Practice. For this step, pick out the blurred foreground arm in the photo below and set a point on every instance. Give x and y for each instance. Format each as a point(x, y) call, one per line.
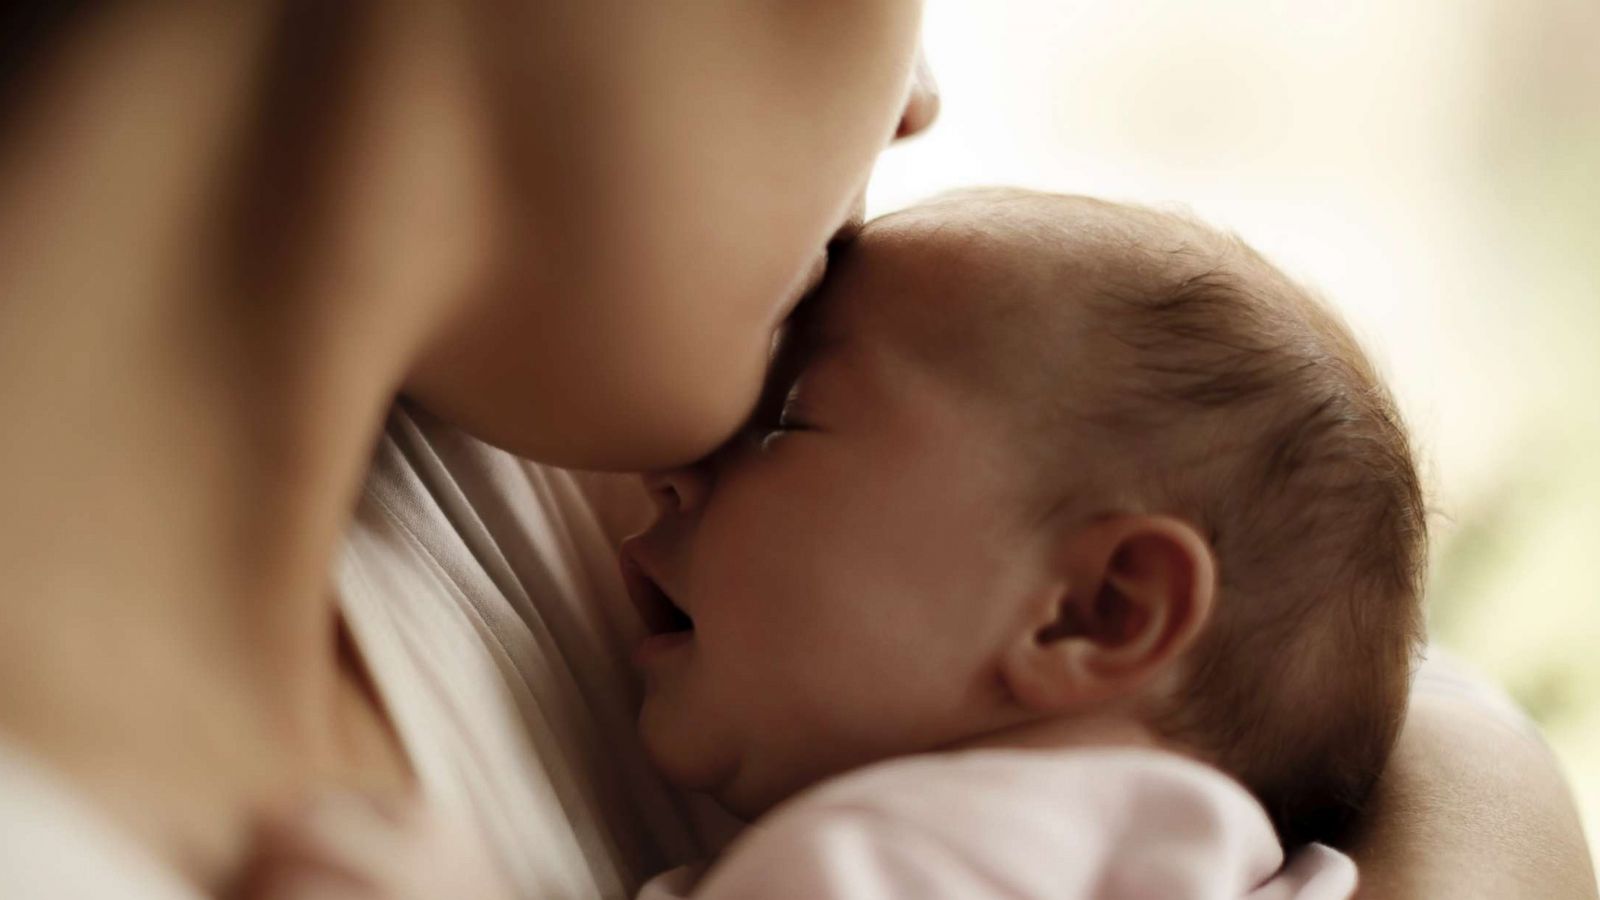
point(1472, 805)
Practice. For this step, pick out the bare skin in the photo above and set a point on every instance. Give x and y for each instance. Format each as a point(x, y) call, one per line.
point(188, 463)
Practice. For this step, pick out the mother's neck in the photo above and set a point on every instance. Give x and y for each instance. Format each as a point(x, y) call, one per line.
point(211, 291)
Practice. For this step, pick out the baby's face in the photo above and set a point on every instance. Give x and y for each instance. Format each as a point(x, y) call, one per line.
point(845, 565)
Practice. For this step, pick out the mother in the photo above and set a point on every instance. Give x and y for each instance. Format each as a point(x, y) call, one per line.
point(230, 233)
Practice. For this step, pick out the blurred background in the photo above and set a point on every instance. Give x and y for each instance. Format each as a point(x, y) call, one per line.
point(1433, 168)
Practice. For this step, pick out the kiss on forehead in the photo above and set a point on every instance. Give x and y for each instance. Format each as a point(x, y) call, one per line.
point(985, 500)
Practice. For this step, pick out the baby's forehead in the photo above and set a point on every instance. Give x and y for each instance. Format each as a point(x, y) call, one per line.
point(981, 279)
point(1049, 298)
point(1024, 226)
point(980, 252)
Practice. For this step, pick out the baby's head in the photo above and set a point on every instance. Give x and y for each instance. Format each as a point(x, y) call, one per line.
point(1032, 459)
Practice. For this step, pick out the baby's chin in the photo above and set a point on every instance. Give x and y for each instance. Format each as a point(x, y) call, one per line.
point(672, 746)
point(722, 775)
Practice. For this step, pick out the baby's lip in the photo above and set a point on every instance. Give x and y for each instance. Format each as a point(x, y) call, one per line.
point(660, 612)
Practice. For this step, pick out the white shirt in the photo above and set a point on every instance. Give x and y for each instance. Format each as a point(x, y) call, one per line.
point(487, 602)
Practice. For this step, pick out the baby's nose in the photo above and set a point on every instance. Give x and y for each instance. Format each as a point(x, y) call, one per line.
point(678, 491)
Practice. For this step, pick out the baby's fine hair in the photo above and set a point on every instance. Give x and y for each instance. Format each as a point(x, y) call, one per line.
point(1226, 395)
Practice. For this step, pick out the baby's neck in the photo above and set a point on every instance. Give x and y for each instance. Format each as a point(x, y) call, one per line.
point(1067, 732)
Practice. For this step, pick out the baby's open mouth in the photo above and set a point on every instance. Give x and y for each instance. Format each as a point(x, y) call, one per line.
point(660, 614)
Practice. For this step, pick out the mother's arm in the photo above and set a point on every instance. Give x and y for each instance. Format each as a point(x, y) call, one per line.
point(1472, 806)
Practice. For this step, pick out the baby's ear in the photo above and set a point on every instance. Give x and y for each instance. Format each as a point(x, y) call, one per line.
point(1128, 596)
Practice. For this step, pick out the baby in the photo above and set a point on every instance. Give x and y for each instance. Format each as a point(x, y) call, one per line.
point(1075, 548)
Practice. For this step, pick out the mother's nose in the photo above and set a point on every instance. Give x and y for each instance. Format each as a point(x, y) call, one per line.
point(680, 490)
point(922, 102)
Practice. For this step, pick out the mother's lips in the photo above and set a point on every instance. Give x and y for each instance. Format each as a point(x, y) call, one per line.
point(811, 279)
point(809, 282)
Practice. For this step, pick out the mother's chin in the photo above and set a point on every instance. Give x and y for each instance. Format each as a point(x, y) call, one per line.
point(649, 396)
